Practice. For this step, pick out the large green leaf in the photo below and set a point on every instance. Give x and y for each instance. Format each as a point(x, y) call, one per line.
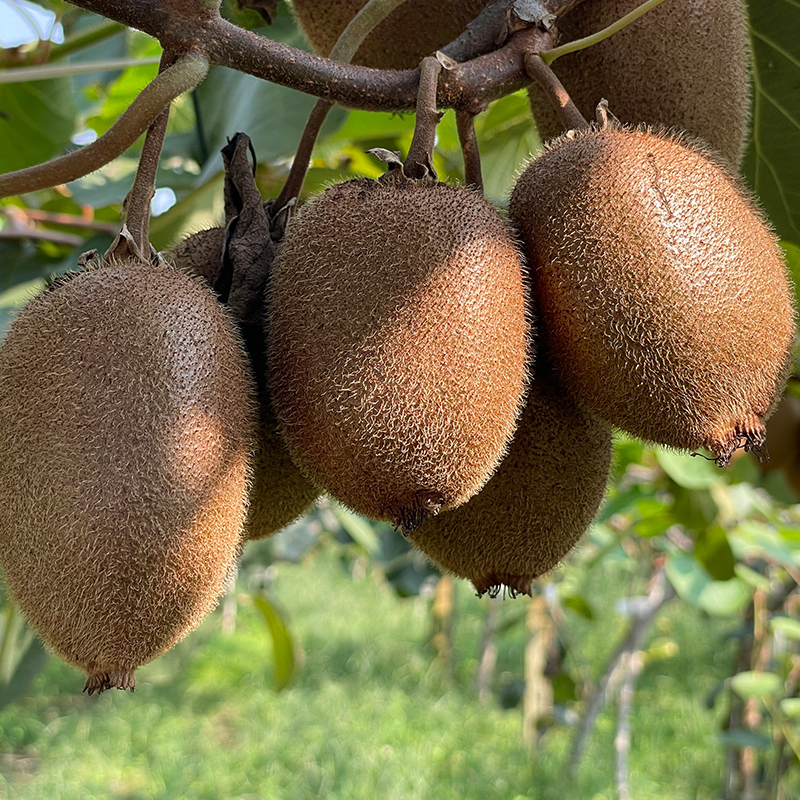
point(37, 120)
point(771, 164)
point(695, 585)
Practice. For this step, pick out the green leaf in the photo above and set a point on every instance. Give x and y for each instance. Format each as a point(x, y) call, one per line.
point(713, 551)
point(29, 666)
point(756, 684)
point(687, 471)
point(693, 584)
point(37, 120)
point(282, 645)
point(724, 598)
point(751, 577)
point(578, 605)
point(360, 531)
point(791, 707)
point(771, 165)
point(789, 627)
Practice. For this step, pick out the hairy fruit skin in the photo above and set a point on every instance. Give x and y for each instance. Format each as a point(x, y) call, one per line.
point(127, 416)
point(416, 29)
point(280, 493)
point(538, 504)
point(684, 64)
point(662, 290)
point(397, 344)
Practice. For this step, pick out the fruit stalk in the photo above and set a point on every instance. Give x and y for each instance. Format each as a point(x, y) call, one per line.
point(567, 111)
point(419, 162)
point(465, 122)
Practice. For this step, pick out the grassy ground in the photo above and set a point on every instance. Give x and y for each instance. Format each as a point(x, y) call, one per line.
point(369, 715)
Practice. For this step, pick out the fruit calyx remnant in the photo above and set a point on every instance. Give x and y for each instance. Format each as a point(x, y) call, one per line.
point(98, 682)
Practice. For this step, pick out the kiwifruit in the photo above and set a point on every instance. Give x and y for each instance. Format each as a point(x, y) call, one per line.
point(201, 253)
point(537, 505)
point(416, 29)
point(127, 415)
point(684, 64)
point(397, 344)
point(663, 291)
point(280, 492)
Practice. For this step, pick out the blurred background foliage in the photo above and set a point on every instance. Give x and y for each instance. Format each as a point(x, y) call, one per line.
point(340, 663)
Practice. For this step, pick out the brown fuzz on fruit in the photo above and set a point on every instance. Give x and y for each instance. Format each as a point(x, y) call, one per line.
point(280, 492)
point(684, 64)
point(127, 415)
point(416, 29)
point(201, 254)
point(663, 292)
point(538, 504)
point(397, 344)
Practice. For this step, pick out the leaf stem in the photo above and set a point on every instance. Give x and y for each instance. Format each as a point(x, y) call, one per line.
point(549, 56)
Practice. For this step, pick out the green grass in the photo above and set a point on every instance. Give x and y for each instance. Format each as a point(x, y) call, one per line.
point(370, 715)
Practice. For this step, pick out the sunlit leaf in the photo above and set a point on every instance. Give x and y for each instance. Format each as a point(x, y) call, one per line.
point(687, 471)
point(359, 530)
point(756, 684)
point(789, 627)
point(282, 645)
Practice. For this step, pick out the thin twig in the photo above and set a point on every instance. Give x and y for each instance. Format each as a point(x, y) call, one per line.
point(49, 71)
point(661, 592)
point(151, 101)
point(465, 122)
point(42, 235)
point(419, 162)
point(622, 741)
point(567, 111)
point(297, 174)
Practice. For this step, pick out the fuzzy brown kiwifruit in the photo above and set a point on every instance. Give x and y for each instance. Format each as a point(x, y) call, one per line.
point(201, 253)
point(397, 344)
point(538, 504)
point(416, 29)
point(280, 492)
point(663, 292)
point(683, 64)
point(127, 415)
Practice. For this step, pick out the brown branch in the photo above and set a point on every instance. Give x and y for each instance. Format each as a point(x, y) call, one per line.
point(38, 234)
point(186, 26)
point(151, 101)
point(465, 122)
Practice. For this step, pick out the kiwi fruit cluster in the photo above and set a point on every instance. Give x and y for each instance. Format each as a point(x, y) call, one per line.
point(403, 346)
